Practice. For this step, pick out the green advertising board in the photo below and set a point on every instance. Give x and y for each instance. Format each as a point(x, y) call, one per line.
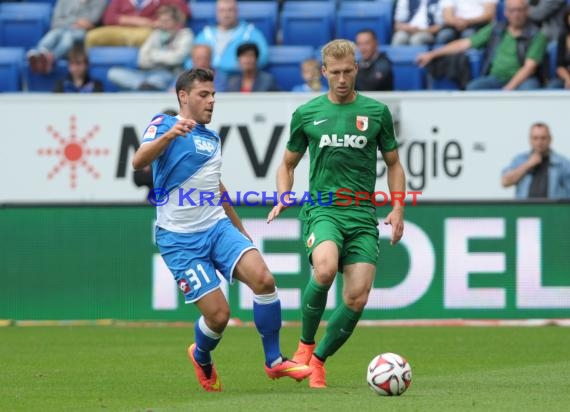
point(468, 261)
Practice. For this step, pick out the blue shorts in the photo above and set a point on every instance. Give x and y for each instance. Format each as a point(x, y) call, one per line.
point(194, 257)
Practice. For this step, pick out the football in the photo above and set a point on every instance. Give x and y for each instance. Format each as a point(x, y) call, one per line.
point(389, 374)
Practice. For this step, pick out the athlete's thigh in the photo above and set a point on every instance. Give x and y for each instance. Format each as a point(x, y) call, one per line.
point(212, 303)
point(252, 270)
point(321, 233)
point(187, 257)
point(361, 242)
point(358, 278)
point(229, 247)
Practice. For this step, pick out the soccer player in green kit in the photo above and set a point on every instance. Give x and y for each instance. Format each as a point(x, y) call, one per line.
point(343, 131)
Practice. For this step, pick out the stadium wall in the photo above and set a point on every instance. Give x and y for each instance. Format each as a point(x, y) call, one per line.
point(501, 260)
point(75, 148)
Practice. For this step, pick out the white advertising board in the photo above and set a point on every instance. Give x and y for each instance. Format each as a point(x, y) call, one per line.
point(68, 148)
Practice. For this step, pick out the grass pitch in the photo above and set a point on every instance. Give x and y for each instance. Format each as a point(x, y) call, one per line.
point(146, 369)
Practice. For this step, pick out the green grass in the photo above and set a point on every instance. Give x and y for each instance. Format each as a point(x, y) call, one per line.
point(145, 369)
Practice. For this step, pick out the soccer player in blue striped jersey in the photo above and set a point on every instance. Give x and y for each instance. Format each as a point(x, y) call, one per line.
point(196, 239)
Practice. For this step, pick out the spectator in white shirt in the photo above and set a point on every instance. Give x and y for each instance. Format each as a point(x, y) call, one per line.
point(462, 18)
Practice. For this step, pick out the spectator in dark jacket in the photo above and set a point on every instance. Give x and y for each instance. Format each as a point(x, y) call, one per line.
point(548, 15)
point(250, 78)
point(78, 80)
point(374, 67)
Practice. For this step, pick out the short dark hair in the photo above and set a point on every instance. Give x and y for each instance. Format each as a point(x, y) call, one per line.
point(369, 31)
point(247, 47)
point(77, 52)
point(173, 12)
point(187, 78)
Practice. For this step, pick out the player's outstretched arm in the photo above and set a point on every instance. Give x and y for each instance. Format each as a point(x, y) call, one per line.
point(152, 149)
point(232, 214)
point(396, 184)
point(285, 179)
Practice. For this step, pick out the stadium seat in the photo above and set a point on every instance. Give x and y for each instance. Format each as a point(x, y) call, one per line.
point(52, 2)
point(203, 13)
point(35, 8)
point(45, 82)
point(285, 64)
point(11, 62)
point(308, 23)
point(355, 16)
point(262, 14)
point(407, 74)
point(101, 59)
point(23, 24)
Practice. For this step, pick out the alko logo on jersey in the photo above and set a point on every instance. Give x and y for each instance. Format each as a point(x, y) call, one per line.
point(348, 140)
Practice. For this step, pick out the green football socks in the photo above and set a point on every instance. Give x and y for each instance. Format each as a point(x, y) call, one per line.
point(339, 328)
point(312, 308)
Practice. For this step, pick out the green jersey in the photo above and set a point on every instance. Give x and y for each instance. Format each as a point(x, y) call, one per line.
point(343, 140)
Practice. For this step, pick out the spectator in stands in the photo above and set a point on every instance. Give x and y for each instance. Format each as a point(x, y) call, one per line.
point(374, 68)
point(562, 81)
point(416, 22)
point(129, 22)
point(70, 21)
point(251, 78)
point(225, 38)
point(540, 173)
point(462, 18)
point(201, 57)
point(548, 14)
point(78, 80)
point(161, 56)
point(311, 74)
point(513, 56)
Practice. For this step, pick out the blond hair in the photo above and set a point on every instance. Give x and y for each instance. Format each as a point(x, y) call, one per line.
point(338, 49)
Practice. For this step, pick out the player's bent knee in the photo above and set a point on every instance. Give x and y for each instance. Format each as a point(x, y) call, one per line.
point(264, 282)
point(356, 302)
point(218, 320)
point(325, 273)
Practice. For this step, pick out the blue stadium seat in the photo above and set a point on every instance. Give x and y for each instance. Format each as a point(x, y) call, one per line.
point(355, 16)
point(308, 23)
point(101, 59)
point(52, 2)
point(45, 82)
point(11, 62)
point(285, 64)
point(203, 13)
point(407, 74)
point(262, 14)
point(23, 24)
point(43, 9)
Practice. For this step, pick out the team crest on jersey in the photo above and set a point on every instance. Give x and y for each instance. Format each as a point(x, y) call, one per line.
point(362, 123)
point(150, 132)
point(311, 240)
point(183, 285)
point(204, 145)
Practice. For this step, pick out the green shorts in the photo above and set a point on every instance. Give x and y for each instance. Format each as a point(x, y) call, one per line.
point(354, 231)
